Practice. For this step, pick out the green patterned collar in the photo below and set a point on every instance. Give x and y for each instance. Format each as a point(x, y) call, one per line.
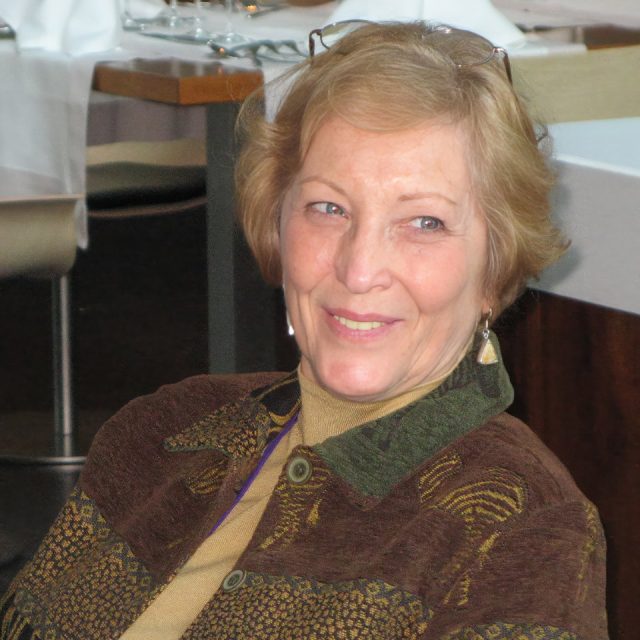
point(372, 457)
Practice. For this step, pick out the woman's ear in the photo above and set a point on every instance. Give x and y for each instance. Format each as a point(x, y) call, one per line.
point(487, 305)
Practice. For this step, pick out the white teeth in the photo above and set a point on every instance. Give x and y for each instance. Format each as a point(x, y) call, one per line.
point(358, 326)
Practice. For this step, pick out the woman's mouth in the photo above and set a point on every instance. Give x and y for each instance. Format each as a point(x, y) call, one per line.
point(357, 325)
point(349, 324)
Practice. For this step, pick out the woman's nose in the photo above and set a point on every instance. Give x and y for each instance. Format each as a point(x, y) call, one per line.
point(363, 260)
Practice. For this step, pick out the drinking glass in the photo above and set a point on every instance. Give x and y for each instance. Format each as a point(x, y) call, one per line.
point(130, 22)
point(198, 31)
point(171, 17)
point(228, 37)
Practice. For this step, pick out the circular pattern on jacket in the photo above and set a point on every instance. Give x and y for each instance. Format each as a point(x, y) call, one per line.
point(234, 580)
point(299, 470)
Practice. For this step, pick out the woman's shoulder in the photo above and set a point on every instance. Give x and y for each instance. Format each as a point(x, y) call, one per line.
point(174, 407)
point(133, 437)
point(507, 445)
point(501, 478)
point(532, 543)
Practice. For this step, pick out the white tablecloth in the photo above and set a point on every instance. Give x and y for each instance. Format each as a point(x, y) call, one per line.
point(45, 95)
point(42, 117)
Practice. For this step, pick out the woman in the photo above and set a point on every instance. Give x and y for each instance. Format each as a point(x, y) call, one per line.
point(379, 491)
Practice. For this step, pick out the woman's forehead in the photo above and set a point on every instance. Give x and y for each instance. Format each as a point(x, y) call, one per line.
point(432, 141)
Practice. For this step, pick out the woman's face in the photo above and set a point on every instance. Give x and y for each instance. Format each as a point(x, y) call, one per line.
point(383, 252)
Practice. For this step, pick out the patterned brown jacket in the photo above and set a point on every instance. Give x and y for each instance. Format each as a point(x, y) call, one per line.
point(446, 520)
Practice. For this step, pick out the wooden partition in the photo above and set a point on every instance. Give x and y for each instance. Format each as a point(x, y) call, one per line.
point(576, 371)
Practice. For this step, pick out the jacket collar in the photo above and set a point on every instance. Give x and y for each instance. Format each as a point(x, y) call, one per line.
point(375, 456)
point(372, 457)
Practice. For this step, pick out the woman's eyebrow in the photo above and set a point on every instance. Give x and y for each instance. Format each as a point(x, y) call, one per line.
point(325, 181)
point(418, 195)
point(427, 195)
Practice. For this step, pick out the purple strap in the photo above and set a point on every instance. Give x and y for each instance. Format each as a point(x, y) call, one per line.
point(254, 474)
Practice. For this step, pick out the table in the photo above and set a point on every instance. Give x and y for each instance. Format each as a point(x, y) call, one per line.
point(239, 303)
point(222, 89)
point(571, 345)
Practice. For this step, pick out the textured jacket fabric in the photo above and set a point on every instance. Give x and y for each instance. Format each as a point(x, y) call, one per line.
point(447, 519)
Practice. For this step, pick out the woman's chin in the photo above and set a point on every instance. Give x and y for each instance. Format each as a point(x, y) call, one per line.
point(358, 385)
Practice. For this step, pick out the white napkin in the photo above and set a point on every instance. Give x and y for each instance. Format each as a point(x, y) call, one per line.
point(70, 26)
point(479, 16)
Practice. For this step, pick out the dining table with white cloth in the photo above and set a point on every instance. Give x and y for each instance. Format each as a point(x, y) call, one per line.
point(48, 104)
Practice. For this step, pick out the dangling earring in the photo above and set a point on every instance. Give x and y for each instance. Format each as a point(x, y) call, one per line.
point(290, 329)
point(487, 353)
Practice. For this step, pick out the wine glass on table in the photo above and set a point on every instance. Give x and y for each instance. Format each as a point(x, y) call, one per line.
point(228, 37)
point(131, 22)
point(171, 17)
point(198, 30)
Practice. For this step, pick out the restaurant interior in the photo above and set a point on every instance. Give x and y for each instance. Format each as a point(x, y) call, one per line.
point(121, 268)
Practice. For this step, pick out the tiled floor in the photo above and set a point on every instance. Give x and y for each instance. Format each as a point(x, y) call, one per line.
point(139, 322)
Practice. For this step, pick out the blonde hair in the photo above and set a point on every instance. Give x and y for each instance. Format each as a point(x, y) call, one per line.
point(395, 76)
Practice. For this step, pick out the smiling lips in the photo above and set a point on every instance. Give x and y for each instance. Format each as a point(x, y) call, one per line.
point(362, 324)
point(358, 326)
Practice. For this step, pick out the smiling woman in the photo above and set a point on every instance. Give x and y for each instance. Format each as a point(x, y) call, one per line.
point(379, 491)
point(383, 254)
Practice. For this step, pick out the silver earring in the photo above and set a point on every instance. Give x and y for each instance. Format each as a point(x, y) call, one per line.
point(290, 329)
point(487, 353)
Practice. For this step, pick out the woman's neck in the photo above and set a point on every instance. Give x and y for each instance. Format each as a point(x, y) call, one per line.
point(324, 415)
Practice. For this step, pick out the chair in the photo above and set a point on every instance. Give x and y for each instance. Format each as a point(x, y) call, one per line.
point(38, 239)
point(138, 179)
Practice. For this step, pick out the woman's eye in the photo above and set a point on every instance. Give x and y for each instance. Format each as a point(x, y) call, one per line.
point(428, 223)
point(328, 208)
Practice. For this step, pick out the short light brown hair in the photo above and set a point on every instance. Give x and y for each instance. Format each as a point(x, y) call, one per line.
point(395, 76)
